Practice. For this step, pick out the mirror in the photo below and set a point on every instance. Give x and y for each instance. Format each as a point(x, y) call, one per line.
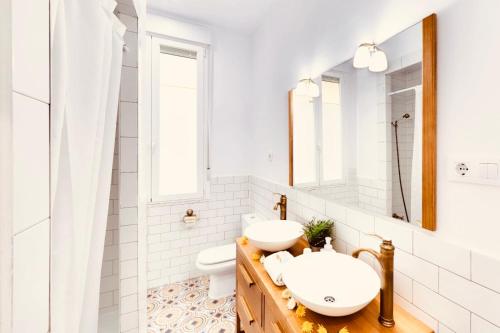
point(369, 139)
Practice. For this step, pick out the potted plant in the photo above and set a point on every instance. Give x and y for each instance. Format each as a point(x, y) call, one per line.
point(316, 231)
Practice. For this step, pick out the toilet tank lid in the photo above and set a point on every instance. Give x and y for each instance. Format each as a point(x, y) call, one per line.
point(218, 254)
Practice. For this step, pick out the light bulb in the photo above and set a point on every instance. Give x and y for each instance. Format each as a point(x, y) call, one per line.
point(378, 61)
point(307, 87)
point(362, 56)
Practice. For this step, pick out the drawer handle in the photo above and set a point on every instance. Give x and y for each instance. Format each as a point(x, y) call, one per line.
point(248, 280)
point(246, 311)
point(276, 328)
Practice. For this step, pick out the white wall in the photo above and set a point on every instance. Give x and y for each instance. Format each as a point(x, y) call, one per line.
point(232, 103)
point(467, 212)
point(305, 38)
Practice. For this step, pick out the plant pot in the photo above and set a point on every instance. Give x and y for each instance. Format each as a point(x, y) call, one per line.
point(316, 248)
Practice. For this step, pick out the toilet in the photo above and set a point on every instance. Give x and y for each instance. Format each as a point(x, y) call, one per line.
point(219, 263)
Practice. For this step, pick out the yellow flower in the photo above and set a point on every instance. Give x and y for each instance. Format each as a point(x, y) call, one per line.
point(301, 311)
point(256, 256)
point(321, 329)
point(344, 330)
point(244, 240)
point(307, 327)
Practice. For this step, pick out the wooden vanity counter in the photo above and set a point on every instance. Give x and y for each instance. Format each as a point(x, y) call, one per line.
point(260, 307)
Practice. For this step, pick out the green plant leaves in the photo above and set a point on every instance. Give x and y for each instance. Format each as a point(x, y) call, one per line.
point(317, 230)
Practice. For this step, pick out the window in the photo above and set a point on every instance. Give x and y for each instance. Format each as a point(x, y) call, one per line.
point(317, 137)
point(304, 139)
point(331, 131)
point(178, 120)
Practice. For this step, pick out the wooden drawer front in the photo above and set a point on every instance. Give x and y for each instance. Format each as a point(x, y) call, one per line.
point(251, 291)
point(248, 324)
point(272, 321)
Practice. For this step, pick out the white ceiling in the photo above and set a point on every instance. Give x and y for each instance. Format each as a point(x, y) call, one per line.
point(242, 15)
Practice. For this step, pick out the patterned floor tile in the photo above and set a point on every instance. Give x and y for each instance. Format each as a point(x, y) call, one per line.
point(185, 307)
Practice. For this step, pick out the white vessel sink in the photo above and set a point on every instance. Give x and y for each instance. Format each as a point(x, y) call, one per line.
point(274, 235)
point(331, 284)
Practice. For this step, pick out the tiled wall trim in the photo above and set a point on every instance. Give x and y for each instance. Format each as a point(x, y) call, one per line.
point(173, 245)
point(449, 287)
point(128, 179)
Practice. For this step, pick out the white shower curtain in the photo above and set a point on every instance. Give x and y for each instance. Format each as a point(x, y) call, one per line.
point(87, 41)
point(416, 167)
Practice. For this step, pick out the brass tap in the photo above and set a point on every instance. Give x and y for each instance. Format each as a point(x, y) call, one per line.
point(386, 259)
point(282, 205)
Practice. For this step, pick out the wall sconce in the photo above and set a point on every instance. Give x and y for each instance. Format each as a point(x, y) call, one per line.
point(369, 55)
point(307, 87)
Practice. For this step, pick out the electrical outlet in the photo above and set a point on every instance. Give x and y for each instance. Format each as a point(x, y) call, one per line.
point(475, 170)
point(462, 169)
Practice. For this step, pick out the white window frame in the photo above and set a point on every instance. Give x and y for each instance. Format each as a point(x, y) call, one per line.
point(202, 120)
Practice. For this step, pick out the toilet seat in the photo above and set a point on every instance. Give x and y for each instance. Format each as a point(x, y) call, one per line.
point(216, 268)
point(217, 255)
point(217, 259)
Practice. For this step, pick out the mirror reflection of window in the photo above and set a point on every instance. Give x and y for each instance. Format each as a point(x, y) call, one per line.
point(331, 140)
point(317, 136)
point(304, 138)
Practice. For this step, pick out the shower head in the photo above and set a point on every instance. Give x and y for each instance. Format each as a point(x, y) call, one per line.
point(404, 116)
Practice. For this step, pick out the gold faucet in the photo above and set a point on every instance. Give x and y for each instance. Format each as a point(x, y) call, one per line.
point(386, 259)
point(282, 205)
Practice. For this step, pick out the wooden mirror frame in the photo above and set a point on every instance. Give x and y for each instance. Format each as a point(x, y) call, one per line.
point(429, 123)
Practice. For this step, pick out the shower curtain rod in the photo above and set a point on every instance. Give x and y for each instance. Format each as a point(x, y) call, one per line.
point(403, 90)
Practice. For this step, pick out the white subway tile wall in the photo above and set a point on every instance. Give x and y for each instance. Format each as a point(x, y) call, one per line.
point(26, 86)
point(173, 245)
point(449, 287)
point(485, 270)
point(449, 256)
point(443, 329)
point(482, 301)
point(30, 140)
point(128, 177)
point(479, 325)
point(357, 191)
point(109, 292)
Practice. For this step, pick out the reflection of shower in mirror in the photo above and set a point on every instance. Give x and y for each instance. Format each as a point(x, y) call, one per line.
point(404, 116)
point(360, 142)
point(395, 125)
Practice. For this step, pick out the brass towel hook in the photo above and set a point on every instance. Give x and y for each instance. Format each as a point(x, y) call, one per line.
point(190, 217)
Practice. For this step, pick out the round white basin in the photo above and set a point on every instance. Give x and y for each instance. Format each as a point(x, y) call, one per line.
point(274, 235)
point(331, 284)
